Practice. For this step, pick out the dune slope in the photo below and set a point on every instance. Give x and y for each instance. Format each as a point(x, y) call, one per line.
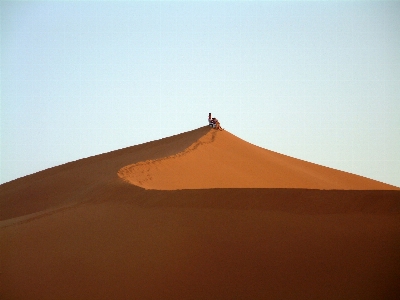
point(76, 181)
point(221, 160)
point(79, 231)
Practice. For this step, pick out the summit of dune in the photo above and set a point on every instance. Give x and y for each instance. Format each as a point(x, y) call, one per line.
point(219, 159)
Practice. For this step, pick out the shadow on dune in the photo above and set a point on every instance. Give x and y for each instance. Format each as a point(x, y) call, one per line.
point(299, 201)
point(74, 182)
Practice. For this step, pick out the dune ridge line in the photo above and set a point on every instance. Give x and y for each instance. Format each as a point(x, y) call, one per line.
point(125, 172)
point(219, 159)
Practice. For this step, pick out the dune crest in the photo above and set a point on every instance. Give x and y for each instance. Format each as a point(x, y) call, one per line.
point(221, 160)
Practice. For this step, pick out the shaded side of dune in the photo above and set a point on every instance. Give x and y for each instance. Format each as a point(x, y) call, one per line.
point(75, 181)
point(299, 201)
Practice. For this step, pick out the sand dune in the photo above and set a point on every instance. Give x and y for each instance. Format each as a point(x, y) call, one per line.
point(221, 160)
point(148, 222)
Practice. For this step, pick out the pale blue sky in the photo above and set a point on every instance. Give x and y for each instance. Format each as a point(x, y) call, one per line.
point(316, 80)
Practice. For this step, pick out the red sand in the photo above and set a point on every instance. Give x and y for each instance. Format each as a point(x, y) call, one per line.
point(78, 231)
point(221, 160)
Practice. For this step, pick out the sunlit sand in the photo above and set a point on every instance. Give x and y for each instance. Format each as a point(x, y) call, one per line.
point(222, 160)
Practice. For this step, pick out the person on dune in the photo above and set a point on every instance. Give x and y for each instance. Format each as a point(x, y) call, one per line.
point(214, 123)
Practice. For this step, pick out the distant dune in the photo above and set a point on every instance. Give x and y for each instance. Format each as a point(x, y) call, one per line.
point(198, 215)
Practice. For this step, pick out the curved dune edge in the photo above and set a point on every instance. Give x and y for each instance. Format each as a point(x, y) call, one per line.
point(84, 179)
point(140, 173)
point(221, 160)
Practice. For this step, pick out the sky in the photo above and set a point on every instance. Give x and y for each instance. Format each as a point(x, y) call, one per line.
point(315, 80)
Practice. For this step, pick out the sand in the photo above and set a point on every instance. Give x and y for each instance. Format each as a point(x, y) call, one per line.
point(146, 222)
point(222, 160)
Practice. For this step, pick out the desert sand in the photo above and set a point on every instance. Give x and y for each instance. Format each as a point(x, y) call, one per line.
point(221, 160)
point(199, 215)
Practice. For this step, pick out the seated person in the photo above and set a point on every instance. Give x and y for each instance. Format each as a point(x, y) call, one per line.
point(213, 122)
